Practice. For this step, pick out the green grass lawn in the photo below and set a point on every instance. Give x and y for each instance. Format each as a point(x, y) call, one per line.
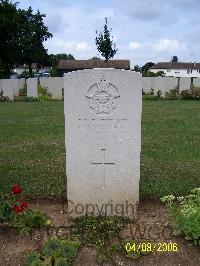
point(32, 150)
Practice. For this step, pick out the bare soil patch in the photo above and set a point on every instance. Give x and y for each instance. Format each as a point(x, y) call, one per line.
point(154, 226)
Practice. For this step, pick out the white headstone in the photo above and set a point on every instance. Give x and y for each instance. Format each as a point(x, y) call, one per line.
point(172, 83)
point(16, 86)
point(148, 83)
point(184, 84)
point(7, 86)
point(196, 82)
point(58, 86)
point(165, 84)
point(55, 86)
point(21, 83)
point(103, 141)
point(32, 90)
point(160, 85)
point(44, 82)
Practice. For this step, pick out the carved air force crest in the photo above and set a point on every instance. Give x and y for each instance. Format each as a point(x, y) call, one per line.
point(103, 97)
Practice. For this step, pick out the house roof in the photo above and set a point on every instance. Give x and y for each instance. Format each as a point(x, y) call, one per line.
point(89, 64)
point(176, 65)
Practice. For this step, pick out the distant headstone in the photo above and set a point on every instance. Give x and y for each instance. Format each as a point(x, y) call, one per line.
point(172, 83)
point(196, 82)
point(17, 85)
point(103, 141)
point(7, 86)
point(21, 83)
point(148, 83)
point(44, 82)
point(55, 86)
point(184, 84)
point(165, 84)
point(32, 90)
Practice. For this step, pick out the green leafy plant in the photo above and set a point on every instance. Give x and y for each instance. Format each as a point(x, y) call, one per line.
point(55, 252)
point(23, 91)
point(31, 99)
point(15, 212)
point(25, 99)
point(33, 258)
point(6, 212)
point(41, 90)
point(102, 232)
point(43, 95)
point(27, 222)
point(44, 98)
point(185, 212)
point(173, 94)
point(159, 93)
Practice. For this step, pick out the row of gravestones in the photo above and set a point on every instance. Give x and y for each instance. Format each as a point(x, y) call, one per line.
point(54, 85)
point(11, 87)
point(166, 84)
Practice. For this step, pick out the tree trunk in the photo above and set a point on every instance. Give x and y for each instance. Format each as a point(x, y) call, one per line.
point(30, 70)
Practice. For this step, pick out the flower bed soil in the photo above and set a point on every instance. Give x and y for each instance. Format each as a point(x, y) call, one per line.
point(153, 226)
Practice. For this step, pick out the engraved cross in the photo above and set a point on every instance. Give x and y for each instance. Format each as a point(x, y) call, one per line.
point(104, 163)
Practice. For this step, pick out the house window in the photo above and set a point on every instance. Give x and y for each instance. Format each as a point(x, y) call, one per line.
point(177, 72)
point(188, 71)
point(191, 71)
point(168, 70)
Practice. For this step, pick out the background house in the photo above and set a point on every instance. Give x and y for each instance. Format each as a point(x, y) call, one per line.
point(177, 69)
point(66, 66)
point(19, 69)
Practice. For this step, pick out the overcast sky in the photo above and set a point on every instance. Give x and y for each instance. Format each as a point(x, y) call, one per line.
point(143, 30)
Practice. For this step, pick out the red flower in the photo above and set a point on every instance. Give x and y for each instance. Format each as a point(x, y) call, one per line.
point(17, 209)
point(24, 205)
point(16, 189)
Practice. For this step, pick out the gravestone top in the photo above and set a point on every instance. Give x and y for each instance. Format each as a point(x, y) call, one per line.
point(103, 141)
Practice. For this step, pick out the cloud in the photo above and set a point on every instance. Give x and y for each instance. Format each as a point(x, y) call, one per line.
point(135, 45)
point(148, 30)
point(61, 46)
point(167, 45)
point(83, 47)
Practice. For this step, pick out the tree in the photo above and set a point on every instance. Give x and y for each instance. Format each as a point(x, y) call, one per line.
point(95, 58)
point(153, 74)
point(22, 34)
point(174, 59)
point(136, 68)
point(34, 33)
point(147, 66)
point(10, 31)
point(53, 61)
point(105, 44)
point(160, 74)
